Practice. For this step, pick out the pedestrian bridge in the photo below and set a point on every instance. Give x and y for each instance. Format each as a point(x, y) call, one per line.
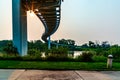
point(49, 13)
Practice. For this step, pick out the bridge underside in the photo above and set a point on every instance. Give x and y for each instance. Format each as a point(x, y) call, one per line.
point(48, 11)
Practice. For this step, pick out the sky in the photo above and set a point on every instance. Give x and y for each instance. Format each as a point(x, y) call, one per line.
point(81, 20)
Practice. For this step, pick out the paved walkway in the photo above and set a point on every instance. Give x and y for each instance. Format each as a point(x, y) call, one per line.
point(58, 75)
point(114, 75)
point(64, 75)
point(45, 75)
point(5, 74)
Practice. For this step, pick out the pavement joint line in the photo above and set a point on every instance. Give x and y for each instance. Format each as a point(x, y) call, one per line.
point(20, 75)
point(79, 75)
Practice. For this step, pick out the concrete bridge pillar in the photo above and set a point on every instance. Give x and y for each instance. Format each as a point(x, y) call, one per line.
point(19, 21)
point(49, 43)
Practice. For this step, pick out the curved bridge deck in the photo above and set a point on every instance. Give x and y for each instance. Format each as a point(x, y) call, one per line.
point(48, 11)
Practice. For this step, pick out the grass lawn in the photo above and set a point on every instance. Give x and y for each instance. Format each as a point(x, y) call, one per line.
point(56, 65)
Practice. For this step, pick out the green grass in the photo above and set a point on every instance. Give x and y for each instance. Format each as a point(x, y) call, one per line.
point(56, 65)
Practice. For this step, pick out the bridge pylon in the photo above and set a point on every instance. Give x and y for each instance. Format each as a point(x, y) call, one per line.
point(19, 21)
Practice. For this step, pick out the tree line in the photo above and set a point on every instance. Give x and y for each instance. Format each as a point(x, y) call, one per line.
point(92, 50)
point(67, 43)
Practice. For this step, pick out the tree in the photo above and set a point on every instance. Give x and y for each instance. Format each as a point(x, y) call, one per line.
point(85, 45)
point(38, 45)
point(105, 44)
point(71, 42)
point(91, 44)
point(10, 49)
point(34, 52)
point(67, 42)
point(63, 41)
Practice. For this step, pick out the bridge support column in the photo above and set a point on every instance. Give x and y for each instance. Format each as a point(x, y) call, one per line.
point(19, 21)
point(49, 43)
point(57, 44)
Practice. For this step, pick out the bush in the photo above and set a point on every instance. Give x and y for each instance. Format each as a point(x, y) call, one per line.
point(31, 58)
point(34, 52)
point(86, 56)
point(60, 54)
point(116, 60)
point(78, 58)
point(115, 51)
point(10, 57)
point(10, 49)
point(99, 58)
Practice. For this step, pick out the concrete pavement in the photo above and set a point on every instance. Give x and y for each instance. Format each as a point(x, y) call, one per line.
point(58, 75)
point(45, 75)
point(114, 75)
point(64, 75)
point(5, 74)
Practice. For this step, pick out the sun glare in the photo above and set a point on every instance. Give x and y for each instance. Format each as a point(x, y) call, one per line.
point(31, 13)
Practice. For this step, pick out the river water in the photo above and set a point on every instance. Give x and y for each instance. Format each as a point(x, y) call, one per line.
point(73, 54)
